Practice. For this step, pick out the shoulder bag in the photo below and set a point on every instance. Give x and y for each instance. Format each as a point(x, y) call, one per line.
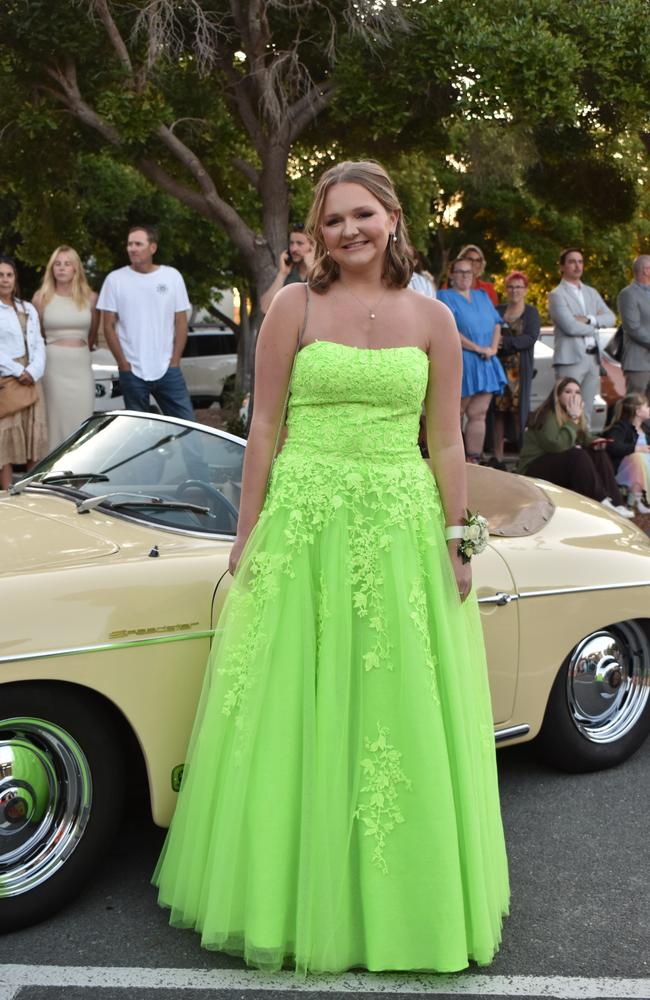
point(14, 396)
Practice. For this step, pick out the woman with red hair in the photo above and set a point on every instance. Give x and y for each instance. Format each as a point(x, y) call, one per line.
point(519, 332)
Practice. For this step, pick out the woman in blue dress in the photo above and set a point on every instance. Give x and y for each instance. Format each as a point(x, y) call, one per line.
point(480, 332)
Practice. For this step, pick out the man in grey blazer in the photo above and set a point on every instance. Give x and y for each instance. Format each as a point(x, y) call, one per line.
point(634, 307)
point(577, 312)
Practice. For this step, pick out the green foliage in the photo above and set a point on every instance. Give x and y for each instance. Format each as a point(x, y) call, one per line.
point(506, 123)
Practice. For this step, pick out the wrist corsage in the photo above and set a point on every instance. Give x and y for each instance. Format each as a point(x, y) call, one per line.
point(473, 535)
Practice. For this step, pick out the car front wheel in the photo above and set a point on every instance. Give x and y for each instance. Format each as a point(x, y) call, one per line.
point(598, 712)
point(61, 797)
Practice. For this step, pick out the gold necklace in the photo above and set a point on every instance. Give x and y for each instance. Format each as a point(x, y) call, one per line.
point(371, 309)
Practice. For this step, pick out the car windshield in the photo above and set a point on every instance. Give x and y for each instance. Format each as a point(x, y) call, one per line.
point(133, 460)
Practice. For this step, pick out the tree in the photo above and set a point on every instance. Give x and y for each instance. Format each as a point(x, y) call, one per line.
point(205, 99)
point(490, 112)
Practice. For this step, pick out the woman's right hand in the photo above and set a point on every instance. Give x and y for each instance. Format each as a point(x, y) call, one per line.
point(575, 407)
point(235, 553)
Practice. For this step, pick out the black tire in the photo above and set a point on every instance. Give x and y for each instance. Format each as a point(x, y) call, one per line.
point(598, 713)
point(62, 739)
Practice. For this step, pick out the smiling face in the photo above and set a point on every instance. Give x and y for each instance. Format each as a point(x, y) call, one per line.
point(462, 275)
point(7, 282)
point(476, 261)
point(63, 268)
point(356, 227)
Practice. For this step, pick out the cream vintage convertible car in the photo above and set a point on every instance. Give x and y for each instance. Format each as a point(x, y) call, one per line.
point(113, 572)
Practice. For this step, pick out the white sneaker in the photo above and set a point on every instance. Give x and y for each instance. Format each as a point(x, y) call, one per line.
point(636, 503)
point(609, 504)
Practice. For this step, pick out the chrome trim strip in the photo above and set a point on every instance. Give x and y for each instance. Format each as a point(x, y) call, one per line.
point(155, 640)
point(507, 734)
point(584, 590)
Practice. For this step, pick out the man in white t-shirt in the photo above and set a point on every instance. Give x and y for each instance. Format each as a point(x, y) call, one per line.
point(145, 323)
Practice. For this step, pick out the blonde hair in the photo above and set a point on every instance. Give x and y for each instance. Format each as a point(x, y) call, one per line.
point(81, 291)
point(398, 257)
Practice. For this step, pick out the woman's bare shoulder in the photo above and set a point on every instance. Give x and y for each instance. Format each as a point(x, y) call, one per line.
point(286, 314)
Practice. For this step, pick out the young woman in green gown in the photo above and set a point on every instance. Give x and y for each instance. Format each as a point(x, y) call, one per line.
point(339, 806)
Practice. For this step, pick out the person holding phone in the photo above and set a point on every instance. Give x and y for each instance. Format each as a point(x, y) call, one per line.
point(295, 264)
point(559, 447)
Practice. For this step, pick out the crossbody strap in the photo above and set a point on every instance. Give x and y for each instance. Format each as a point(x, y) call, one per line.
point(22, 319)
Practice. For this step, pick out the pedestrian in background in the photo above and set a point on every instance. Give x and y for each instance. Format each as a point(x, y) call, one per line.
point(421, 279)
point(23, 431)
point(629, 449)
point(69, 320)
point(295, 264)
point(578, 312)
point(634, 307)
point(145, 308)
point(559, 447)
point(476, 257)
point(479, 325)
point(519, 332)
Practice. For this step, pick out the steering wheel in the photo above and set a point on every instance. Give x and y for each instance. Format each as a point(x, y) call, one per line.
point(215, 495)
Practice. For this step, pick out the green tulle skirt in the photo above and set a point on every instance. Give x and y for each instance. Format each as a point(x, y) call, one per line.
point(339, 806)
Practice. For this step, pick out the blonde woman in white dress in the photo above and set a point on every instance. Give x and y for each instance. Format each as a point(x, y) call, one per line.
point(70, 321)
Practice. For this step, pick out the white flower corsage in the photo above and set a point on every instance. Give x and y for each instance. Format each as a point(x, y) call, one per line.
point(473, 534)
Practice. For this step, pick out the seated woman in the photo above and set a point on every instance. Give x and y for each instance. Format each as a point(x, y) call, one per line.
point(629, 450)
point(558, 447)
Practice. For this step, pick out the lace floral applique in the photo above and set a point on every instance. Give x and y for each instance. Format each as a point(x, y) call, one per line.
point(346, 459)
point(323, 610)
point(246, 605)
point(420, 619)
point(382, 774)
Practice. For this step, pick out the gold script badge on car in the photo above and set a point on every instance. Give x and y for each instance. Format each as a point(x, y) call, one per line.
point(125, 633)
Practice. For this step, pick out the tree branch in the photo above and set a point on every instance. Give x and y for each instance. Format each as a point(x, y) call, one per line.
point(226, 320)
point(303, 111)
point(113, 32)
point(248, 170)
point(70, 96)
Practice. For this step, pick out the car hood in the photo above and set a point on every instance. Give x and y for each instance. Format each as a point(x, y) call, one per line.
point(36, 536)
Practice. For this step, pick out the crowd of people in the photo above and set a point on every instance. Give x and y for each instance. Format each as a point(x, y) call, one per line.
point(47, 388)
point(46, 371)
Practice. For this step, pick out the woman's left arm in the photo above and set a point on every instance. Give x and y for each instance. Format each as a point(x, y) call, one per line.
point(447, 454)
point(94, 323)
point(35, 344)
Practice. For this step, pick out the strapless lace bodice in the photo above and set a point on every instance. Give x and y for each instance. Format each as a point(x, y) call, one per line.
point(356, 401)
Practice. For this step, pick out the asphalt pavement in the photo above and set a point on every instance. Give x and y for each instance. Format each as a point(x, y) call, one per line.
point(579, 850)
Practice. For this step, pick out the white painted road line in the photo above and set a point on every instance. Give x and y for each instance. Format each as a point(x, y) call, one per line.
point(13, 978)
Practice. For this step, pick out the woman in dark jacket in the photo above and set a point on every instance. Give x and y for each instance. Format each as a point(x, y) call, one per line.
point(516, 353)
point(628, 448)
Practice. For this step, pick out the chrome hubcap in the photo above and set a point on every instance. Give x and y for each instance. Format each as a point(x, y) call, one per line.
point(608, 682)
point(45, 800)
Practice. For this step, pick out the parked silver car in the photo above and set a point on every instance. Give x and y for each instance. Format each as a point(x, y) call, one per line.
point(209, 360)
